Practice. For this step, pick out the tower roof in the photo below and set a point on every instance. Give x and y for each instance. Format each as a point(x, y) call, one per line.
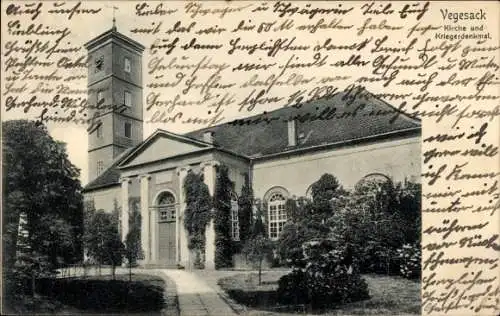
point(113, 35)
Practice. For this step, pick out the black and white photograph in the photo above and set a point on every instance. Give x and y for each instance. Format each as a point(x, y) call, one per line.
point(250, 158)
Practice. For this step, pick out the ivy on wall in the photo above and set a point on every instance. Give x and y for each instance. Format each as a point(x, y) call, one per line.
point(245, 210)
point(197, 214)
point(222, 219)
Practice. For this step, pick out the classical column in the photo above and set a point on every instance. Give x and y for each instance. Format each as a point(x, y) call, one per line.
point(209, 177)
point(145, 220)
point(153, 227)
point(181, 236)
point(125, 207)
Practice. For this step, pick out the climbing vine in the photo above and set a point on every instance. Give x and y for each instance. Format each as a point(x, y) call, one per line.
point(222, 219)
point(245, 209)
point(197, 214)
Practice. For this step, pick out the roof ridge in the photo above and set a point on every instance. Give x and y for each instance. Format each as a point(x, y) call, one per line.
point(282, 108)
point(387, 104)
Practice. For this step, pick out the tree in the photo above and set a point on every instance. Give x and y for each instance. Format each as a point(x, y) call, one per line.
point(307, 220)
point(103, 240)
point(114, 250)
point(257, 249)
point(258, 226)
point(41, 183)
point(323, 191)
point(245, 210)
point(133, 250)
point(222, 219)
point(133, 247)
point(371, 225)
point(197, 214)
point(409, 207)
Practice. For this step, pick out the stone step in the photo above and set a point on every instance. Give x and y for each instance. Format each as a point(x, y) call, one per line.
point(160, 266)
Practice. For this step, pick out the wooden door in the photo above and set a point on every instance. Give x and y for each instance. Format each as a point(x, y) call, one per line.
point(166, 235)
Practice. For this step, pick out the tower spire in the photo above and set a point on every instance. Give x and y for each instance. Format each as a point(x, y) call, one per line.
point(114, 18)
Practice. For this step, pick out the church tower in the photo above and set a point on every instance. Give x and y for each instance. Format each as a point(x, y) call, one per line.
point(115, 98)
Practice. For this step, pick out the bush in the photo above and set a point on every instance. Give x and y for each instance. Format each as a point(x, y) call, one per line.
point(103, 295)
point(330, 277)
point(292, 288)
point(409, 257)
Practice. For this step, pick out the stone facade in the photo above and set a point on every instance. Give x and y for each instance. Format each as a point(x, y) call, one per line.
point(115, 90)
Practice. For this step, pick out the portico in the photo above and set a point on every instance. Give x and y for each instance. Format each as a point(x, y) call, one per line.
point(157, 182)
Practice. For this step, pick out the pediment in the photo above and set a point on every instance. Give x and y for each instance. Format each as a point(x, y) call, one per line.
point(162, 145)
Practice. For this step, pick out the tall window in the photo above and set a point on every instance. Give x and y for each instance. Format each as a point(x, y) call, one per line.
point(100, 167)
point(235, 224)
point(128, 130)
point(277, 214)
point(126, 65)
point(127, 98)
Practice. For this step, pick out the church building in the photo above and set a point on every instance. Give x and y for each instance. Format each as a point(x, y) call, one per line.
point(281, 152)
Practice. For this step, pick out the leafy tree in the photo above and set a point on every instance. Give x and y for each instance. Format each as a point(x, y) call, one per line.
point(308, 219)
point(258, 227)
point(376, 194)
point(294, 235)
point(133, 247)
point(245, 210)
point(409, 199)
point(372, 225)
point(222, 219)
point(133, 250)
point(30, 264)
point(114, 250)
point(257, 249)
point(40, 182)
point(103, 240)
point(197, 214)
point(323, 191)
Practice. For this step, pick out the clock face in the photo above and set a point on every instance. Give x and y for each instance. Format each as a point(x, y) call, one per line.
point(99, 63)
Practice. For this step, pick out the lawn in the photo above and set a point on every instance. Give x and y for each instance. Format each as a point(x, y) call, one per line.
point(96, 294)
point(389, 295)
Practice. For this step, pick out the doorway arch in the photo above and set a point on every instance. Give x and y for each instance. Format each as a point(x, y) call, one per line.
point(166, 208)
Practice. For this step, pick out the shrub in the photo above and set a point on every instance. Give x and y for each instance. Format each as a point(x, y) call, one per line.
point(292, 288)
point(104, 295)
point(409, 257)
point(329, 278)
point(332, 276)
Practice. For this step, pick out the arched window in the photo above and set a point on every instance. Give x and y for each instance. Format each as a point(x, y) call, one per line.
point(166, 207)
point(276, 207)
point(235, 225)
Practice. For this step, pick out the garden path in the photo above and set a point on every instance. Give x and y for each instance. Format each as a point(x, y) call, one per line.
point(196, 297)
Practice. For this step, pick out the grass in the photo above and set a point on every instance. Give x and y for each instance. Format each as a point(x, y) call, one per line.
point(96, 294)
point(389, 295)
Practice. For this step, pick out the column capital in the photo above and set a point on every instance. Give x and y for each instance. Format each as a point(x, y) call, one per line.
point(178, 170)
point(126, 179)
point(147, 176)
point(210, 163)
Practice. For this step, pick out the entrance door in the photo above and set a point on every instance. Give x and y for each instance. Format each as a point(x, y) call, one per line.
point(166, 228)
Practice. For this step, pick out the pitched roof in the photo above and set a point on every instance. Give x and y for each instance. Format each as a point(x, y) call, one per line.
point(256, 138)
point(325, 121)
point(110, 176)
